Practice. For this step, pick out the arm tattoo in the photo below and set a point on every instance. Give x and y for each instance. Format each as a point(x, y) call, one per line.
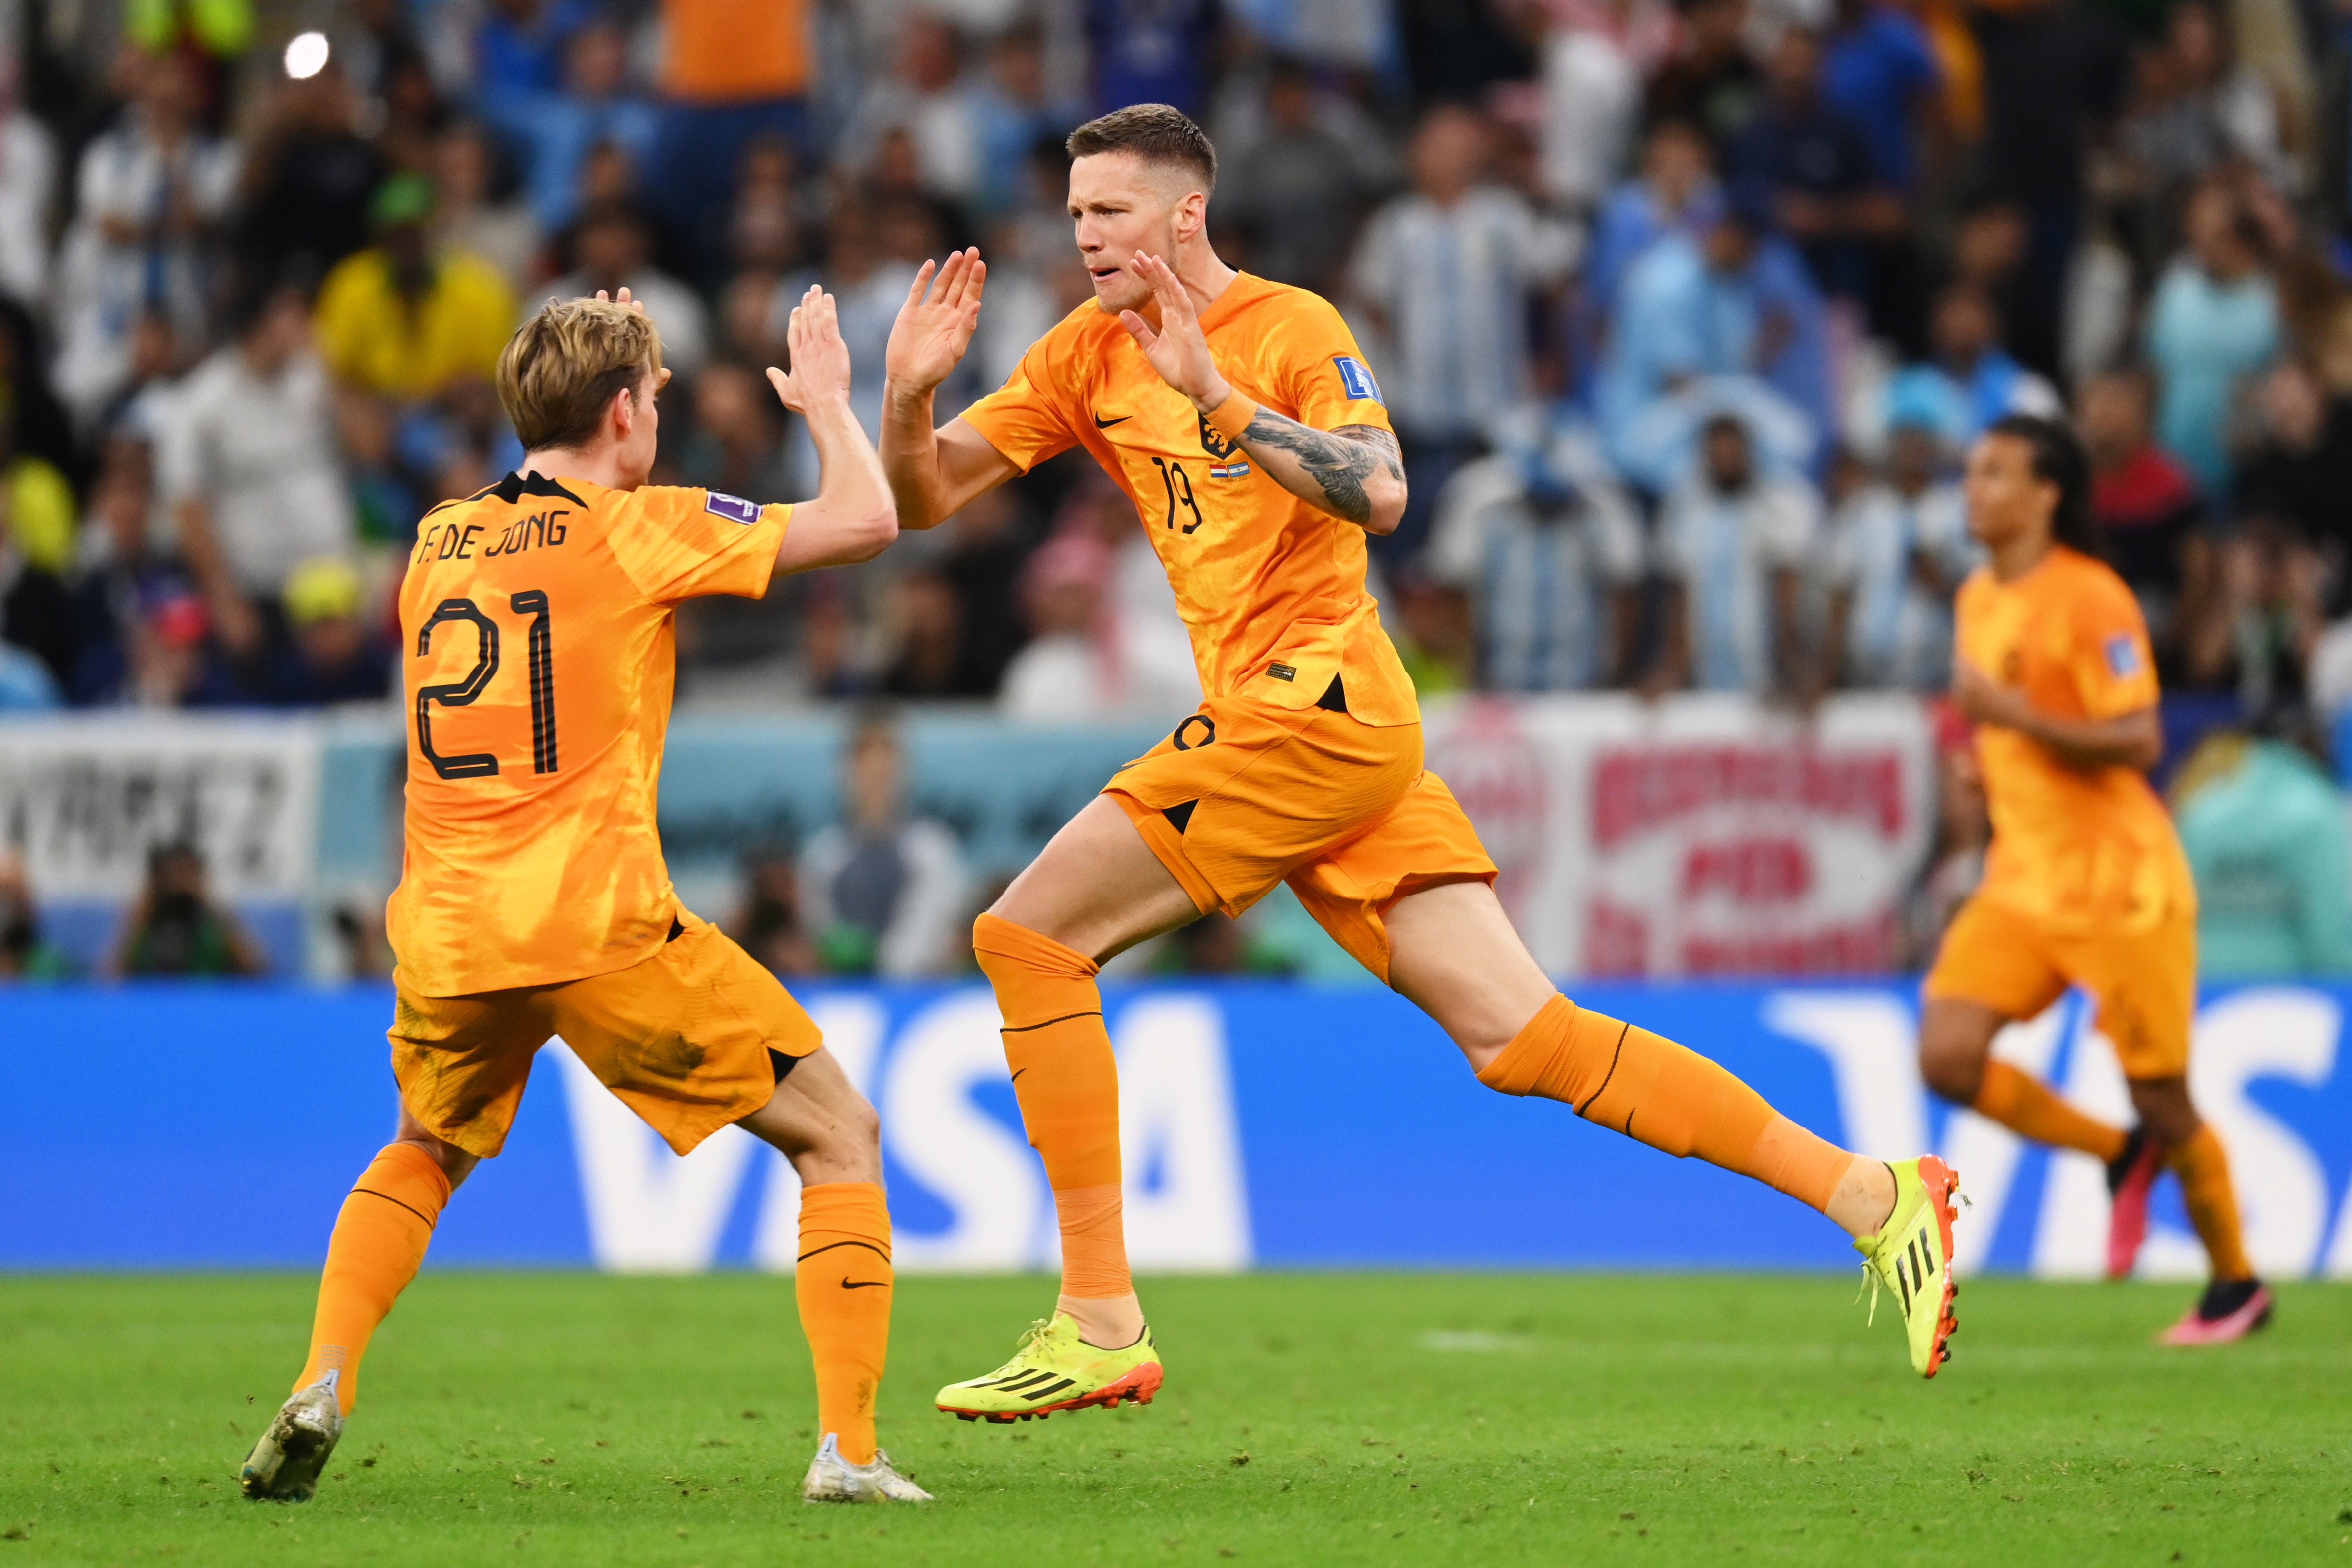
point(1339, 461)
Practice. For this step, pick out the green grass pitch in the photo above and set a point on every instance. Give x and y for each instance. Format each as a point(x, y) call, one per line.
point(1480, 1419)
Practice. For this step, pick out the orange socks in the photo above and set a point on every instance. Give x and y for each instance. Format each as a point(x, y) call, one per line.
point(844, 1286)
point(378, 1242)
point(1668, 1096)
point(1066, 1080)
point(2028, 1107)
point(2203, 1167)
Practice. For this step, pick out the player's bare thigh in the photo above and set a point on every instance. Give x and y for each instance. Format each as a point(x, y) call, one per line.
point(1097, 887)
point(1955, 1042)
point(1454, 954)
point(820, 1122)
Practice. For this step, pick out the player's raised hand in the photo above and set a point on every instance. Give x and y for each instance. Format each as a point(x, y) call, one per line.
point(820, 358)
point(1178, 349)
point(622, 297)
point(936, 324)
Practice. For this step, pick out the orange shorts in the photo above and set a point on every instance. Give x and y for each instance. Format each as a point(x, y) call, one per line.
point(682, 1038)
point(2145, 983)
point(1243, 795)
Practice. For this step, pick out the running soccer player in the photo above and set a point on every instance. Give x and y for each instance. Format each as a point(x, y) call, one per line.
point(1239, 417)
point(538, 625)
point(2086, 884)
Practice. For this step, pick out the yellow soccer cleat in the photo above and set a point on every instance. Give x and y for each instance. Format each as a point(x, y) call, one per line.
point(1911, 1256)
point(1056, 1370)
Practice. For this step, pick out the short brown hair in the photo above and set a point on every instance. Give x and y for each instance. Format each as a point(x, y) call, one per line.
point(564, 365)
point(1154, 132)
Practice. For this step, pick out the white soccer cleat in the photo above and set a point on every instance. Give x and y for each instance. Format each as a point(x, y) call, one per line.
point(831, 1479)
point(284, 1466)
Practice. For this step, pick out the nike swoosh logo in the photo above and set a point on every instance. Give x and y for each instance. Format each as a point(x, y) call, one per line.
point(849, 1284)
point(1103, 424)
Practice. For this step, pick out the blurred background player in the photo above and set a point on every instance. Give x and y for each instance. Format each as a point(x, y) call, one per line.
point(2086, 883)
point(1240, 418)
point(534, 900)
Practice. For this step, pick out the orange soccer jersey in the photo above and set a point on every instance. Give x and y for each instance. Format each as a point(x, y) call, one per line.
point(539, 658)
point(1271, 588)
point(2073, 851)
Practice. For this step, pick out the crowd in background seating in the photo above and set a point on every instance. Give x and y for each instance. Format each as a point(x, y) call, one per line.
point(1685, 311)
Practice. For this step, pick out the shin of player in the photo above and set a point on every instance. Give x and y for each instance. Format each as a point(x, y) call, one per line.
point(2086, 884)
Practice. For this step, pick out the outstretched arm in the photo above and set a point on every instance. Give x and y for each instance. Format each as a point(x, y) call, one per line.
point(852, 518)
point(2133, 739)
point(1355, 472)
point(933, 472)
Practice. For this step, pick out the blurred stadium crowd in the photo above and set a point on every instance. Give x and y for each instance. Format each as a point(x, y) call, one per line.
point(1685, 311)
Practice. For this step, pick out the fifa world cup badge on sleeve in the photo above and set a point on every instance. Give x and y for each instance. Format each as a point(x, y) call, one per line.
point(746, 513)
point(2123, 657)
point(1357, 377)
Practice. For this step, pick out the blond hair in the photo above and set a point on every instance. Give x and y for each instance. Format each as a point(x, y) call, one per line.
point(561, 367)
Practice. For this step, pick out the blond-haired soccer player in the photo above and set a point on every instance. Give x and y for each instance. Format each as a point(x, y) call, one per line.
point(1240, 417)
point(2086, 884)
point(538, 625)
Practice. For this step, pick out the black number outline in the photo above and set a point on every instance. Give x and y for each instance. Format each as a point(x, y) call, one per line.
point(533, 603)
point(476, 764)
point(1169, 474)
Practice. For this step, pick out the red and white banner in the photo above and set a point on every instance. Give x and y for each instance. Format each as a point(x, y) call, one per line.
point(1698, 835)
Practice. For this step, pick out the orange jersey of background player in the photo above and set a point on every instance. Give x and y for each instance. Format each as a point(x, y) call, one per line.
point(539, 652)
point(2075, 850)
point(1271, 586)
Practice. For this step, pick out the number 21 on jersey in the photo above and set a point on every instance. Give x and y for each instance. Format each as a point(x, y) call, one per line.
point(462, 693)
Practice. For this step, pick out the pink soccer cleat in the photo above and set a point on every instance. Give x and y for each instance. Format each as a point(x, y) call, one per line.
point(2131, 1178)
point(2230, 1310)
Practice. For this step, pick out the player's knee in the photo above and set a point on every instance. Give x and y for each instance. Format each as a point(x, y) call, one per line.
point(1953, 1068)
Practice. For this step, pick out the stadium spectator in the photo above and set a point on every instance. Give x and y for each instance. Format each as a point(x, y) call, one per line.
point(1971, 380)
point(28, 176)
point(120, 648)
point(248, 471)
point(1897, 548)
point(1445, 277)
point(2263, 828)
point(1737, 303)
point(2200, 107)
point(152, 194)
point(468, 219)
point(1592, 63)
point(333, 654)
point(882, 892)
point(175, 929)
point(1879, 71)
point(1829, 194)
point(23, 954)
point(1062, 674)
point(927, 96)
point(2213, 321)
point(983, 569)
point(1150, 51)
point(403, 321)
point(1733, 544)
point(1675, 193)
point(1547, 548)
point(767, 923)
point(308, 178)
point(2296, 473)
point(36, 554)
point(612, 250)
point(734, 71)
point(1710, 81)
point(596, 107)
point(2151, 517)
point(1014, 109)
point(1293, 193)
